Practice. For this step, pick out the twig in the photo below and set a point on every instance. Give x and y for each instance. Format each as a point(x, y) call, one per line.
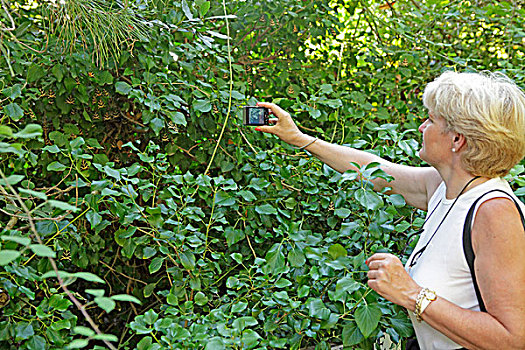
point(122, 274)
point(10, 18)
point(248, 142)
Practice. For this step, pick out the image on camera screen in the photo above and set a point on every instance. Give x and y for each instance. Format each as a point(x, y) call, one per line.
point(256, 116)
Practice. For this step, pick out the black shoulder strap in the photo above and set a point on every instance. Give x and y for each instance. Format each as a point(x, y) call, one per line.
point(467, 242)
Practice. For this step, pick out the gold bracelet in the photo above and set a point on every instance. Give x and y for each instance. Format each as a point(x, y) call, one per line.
point(308, 144)
point(424, 298)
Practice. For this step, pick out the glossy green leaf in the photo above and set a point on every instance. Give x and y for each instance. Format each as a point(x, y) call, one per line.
point(122, 87)
point(42, 250)
point(8, 255)
point(14, 111)
point(367, 317)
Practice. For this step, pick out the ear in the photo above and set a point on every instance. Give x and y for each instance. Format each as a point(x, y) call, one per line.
point(458, 142)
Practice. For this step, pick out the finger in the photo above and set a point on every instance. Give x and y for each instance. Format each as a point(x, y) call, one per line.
point(273, 120)
point(376, 264)
point(378, 256)
point(374, 274)
point(276, 110)
point(265, 128)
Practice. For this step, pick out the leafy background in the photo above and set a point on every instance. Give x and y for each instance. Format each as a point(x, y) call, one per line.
point(125, 165)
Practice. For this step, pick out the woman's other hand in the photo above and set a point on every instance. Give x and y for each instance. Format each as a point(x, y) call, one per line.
point(284, 127)
point(388, 277)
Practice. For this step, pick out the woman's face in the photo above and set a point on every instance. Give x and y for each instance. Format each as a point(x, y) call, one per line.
point(437, 142)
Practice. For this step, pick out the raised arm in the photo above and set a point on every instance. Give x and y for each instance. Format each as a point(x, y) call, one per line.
point(415, 184)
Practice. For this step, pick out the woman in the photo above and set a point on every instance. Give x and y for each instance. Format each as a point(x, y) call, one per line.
point(474, 134)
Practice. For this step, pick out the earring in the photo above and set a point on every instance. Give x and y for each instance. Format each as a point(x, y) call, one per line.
point(453, 150)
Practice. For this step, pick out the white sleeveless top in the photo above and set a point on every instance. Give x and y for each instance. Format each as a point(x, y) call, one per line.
point(442, 267)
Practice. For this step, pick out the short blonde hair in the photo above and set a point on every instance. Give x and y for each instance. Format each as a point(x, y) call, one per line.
point(489, 110)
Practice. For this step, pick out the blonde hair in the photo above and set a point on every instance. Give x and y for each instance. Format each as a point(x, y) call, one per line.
point(489, 110)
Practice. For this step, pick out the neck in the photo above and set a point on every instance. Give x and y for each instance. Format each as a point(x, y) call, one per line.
point(457, 180)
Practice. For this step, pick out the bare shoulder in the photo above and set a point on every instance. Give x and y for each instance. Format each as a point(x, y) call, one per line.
point(498, 241)
point(497, 222)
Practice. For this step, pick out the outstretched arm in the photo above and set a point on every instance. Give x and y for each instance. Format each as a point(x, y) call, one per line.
point(415, 184)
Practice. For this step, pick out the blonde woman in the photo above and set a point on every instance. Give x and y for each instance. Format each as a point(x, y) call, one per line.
point(474, 135)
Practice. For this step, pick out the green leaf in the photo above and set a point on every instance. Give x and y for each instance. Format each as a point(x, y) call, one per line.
point(296, 257)
point(125, 297)
point(36, 342)
point(122, 87)
point(402, 325)
point(204, 8)
point(12, 180)
point(186, 10)
point(13, 92)
point(56, 166)
point(157, 124)
point(105, 303)
point(203, 106)
point(177, 118)
point(250, 338)
point(215, 343)
point(88, 276)
point(265, 209)
point(42, 250)
point(233, 235)
point(78, 344)
point(96, 292)
point(367, 318)
point(34, 73)
point(7, 256)
point(63, 205)
point(275, 259)
point(342, 212)
point(188, 260)
point(23, 331)
point(317, 309)
point(14, 111)
point(107, 337)
point(6, 131)
point(369, 199)
point(156, 264)
point(239, 307)
point(352, 335)
point(247, 195)
point(81, 330)
point(20, 240)
point(346, 284)
point(94, 218)
point(112, 172)
point(58, 71)
point(77, 143)
point(201, 299)
point(337, 250)
point(39, 195)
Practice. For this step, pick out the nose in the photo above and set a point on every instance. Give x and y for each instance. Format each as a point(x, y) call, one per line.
point(423, 126)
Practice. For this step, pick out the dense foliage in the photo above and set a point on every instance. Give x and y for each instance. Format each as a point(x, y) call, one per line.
point(125, 163)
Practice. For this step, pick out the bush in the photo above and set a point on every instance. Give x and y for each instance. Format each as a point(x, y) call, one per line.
point(170, 221)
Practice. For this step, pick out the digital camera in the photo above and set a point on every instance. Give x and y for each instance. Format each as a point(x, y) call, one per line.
point(253, 115)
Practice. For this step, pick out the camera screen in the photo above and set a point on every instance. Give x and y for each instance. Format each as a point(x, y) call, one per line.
point(256, 115)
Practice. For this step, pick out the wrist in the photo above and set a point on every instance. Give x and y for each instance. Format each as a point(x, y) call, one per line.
point(423, 300)
point(411, 298)
point(300, 139)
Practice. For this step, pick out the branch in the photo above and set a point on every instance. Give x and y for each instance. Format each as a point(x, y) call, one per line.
point(10, 18)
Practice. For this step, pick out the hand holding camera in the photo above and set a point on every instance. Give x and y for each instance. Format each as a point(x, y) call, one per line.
point(283, 125)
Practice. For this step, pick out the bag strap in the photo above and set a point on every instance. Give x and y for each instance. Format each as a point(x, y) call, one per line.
point(467, 241)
